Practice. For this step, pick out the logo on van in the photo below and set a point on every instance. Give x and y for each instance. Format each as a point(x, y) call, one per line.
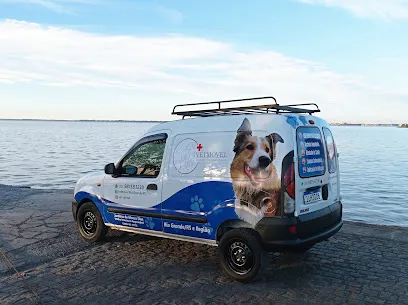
point(184, 156)
point(189, 153)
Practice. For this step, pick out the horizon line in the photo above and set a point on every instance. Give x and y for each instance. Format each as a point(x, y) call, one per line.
point(82, 120)
point(162, 121)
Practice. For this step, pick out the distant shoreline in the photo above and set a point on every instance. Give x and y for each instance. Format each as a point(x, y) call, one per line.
point(365, 125)
point(158, 122)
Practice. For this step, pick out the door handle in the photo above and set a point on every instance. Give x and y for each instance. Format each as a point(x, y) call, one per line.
point(152, 187)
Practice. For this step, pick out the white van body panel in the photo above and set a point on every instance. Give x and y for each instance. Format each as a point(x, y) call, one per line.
point(91, 183)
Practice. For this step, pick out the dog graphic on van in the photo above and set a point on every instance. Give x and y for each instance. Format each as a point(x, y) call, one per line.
point(254, 176)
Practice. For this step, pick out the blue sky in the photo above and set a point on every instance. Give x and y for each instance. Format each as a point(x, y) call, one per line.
point(100, 59)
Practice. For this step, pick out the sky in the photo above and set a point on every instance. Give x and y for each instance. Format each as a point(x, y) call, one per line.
point(134, 60)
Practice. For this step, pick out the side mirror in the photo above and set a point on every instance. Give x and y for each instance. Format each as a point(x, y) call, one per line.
point(110, 169)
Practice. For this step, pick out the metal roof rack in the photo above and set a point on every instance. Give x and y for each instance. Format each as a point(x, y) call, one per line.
point(258, 109)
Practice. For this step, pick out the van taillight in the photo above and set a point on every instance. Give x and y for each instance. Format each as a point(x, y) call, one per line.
point(289, 181)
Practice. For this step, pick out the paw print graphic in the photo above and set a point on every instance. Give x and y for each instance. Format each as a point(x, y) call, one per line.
point(210, 229)
point(292, 121)
point(216, 202)
point(303, 120)
point(196, 203)
point(149, 222)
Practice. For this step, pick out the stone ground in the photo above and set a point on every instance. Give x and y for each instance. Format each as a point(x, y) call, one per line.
point(43, 260)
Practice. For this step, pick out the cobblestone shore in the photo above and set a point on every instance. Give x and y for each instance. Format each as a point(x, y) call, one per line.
point(43, 260)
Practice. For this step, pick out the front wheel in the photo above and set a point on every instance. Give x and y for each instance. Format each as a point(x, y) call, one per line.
point(90, 223)
point(241, 255)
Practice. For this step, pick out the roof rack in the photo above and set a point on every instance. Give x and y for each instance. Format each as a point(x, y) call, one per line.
point(259, 109)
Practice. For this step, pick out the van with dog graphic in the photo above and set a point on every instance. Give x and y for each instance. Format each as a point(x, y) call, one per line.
point(247, 179)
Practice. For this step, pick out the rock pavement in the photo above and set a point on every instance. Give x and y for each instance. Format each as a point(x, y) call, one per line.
point(43, 260)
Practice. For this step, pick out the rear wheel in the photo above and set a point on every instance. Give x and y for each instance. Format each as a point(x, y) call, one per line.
point(241, 255)
point(90, 224)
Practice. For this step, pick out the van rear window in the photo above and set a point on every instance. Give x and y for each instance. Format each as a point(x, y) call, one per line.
point(331, 150)
point(310, 148)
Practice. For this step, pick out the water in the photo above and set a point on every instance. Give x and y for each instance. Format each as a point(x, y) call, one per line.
point(373, 161)
point(374, 173)
point(56, 154)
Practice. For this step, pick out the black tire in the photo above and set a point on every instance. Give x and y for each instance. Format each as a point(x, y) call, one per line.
point(301, 249)
point(241, 255)
point(90, 224)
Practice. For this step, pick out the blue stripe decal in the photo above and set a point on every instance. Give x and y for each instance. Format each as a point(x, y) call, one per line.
point(213, 200)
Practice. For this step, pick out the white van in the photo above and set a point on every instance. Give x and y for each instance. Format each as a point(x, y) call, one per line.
point(248, 179)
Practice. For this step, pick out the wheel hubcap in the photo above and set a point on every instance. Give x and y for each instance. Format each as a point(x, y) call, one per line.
point(240, 257)
point(89, 223)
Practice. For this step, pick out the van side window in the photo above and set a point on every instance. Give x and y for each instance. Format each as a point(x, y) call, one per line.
point(145, 160)
point(330, 150)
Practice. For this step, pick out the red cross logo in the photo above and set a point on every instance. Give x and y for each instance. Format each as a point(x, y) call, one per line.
point(199, 147)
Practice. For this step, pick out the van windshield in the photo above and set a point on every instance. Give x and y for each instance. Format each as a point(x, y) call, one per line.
point(311, 158)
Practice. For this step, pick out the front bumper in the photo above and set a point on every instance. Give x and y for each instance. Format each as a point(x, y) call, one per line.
point(311, 228)
point(74, 208)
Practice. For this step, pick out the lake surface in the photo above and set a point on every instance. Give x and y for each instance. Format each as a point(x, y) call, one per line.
point(52, 154)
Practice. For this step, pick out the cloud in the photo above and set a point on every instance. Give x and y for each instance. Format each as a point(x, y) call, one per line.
point(377, 9)
point(193, 68)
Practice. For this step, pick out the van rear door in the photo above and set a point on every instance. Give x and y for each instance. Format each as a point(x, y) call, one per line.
point(316, 187)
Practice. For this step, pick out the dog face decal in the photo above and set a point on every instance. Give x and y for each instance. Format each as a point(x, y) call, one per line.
point(254, 176)
point(253, 154)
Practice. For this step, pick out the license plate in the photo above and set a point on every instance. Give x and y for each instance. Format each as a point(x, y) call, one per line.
point(312, 196)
